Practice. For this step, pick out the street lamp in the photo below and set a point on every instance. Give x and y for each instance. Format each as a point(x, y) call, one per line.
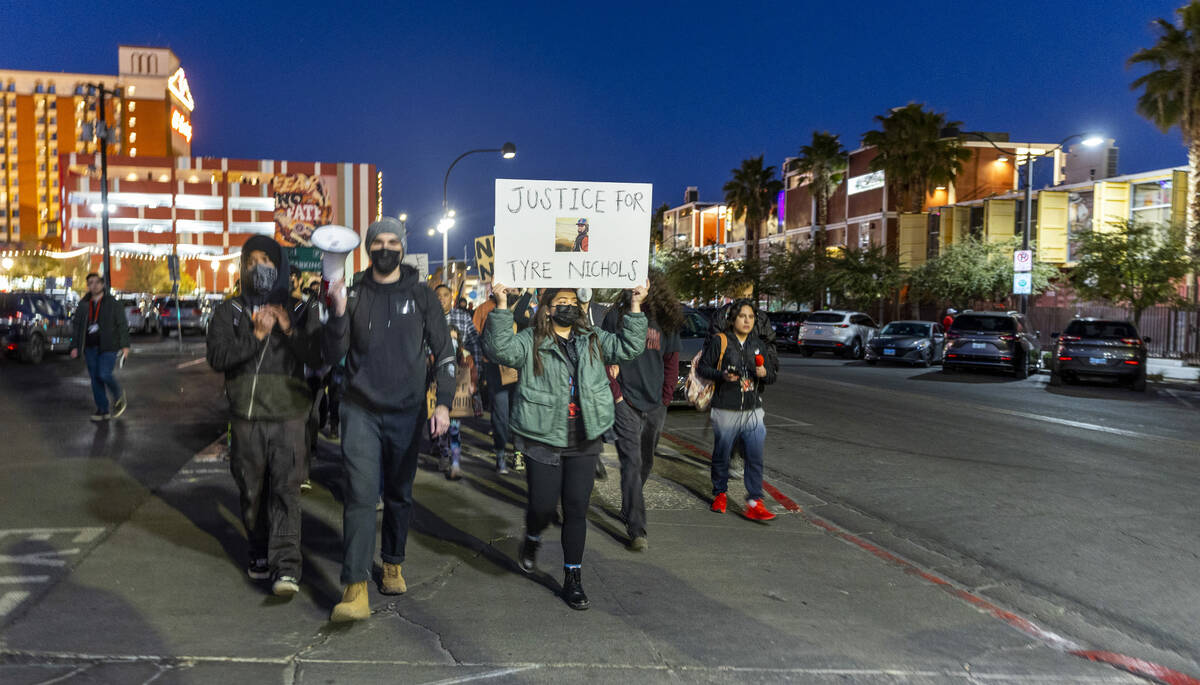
point(507, 151)
point(7, 263)
point(106, 135)
point(1088, 139)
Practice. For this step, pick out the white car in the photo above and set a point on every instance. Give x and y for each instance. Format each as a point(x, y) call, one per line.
point(844, 333)
point(137, 314)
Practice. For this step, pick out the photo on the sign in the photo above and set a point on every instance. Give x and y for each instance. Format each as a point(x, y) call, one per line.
point(571, 234)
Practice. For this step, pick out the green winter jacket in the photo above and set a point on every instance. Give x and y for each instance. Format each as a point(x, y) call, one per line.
point(539, 411)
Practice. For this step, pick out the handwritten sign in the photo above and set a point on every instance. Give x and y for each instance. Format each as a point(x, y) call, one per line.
point(485, 249)
point(571, 233)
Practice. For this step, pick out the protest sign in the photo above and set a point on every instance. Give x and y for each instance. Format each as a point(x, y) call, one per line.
point(485, 248)
point(571, 234)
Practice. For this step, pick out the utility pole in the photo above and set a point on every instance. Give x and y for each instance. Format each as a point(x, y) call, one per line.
point(104, 135)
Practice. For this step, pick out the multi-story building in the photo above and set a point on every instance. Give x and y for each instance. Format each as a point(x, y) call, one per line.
point(47, 114)
point(204, 209)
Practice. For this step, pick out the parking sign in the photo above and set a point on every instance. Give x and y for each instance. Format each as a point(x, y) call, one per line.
point(1023, 260)
point(1022, 284)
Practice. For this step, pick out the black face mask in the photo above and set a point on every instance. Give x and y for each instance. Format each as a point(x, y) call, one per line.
point(566, 314)
point(262, 278)
point(384, 260)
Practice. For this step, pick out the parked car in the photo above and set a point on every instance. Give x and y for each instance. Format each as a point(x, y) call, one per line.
point(992, 340)
point(193, 315)
point(1099, 348)
point(912, 342)
point(841, 332)
point(787, 328)
point(692, 336)
point(139, 314)
point(32, 324)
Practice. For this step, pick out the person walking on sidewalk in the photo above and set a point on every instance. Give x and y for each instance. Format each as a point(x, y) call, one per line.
point(501, 383)
point(563, 406)
point(647, 385)
point(100, 331)
point(466, 347)
point(382, 325)
point(737, 362)
point(262, 348)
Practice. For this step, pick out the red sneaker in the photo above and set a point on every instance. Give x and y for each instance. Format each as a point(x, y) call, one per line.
point(755, 511)
point(718, 504)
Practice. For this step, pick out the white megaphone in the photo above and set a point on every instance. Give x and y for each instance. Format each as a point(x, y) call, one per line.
point(335, 242)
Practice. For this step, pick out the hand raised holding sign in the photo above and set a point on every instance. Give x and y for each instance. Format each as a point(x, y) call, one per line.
point(639, 296)
point(501, 292)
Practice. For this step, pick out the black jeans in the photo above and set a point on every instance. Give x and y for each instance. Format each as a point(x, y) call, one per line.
point(267, 462)
point(571, 482)
point(637, 436)
point(377, 447)
point(501, 398)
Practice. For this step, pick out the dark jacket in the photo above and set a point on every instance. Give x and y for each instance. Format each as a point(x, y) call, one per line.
point(114, 329)
point(739, 358)
point(264, 379)
point(383, 337)
point(539, 411)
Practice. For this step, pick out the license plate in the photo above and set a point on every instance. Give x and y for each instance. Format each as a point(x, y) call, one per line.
point(819, 331)
point(1099, 361)
point(889, 350)
point(977, 346)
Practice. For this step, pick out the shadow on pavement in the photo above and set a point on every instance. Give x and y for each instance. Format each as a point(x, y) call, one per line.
point(965, 377)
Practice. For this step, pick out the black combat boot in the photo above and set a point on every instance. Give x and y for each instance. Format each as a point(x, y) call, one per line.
point(528, 555)
point(573, 590)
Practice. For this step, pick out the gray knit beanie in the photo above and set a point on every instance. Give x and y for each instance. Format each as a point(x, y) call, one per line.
point(387, 225)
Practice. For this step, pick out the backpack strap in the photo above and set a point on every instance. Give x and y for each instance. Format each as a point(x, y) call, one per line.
point(724, 346)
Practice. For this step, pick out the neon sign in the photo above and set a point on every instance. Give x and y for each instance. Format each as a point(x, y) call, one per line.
point(178, 86)
point(181, 125)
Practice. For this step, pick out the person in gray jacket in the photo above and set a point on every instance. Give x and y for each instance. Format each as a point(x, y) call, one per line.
point(101, 334)
point(262, 351)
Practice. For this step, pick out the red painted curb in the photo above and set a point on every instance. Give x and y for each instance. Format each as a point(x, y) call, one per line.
point(1138, 667)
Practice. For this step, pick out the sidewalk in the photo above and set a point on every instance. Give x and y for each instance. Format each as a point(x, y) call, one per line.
point(715, 599)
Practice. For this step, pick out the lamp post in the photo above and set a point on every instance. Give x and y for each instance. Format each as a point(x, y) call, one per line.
point(507, 151)
point(105, 135)
point(1089, 140)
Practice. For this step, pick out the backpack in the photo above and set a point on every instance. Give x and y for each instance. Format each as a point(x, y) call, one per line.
point(700, 390)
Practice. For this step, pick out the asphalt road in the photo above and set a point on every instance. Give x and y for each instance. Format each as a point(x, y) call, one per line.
point(121, 552)
point(1076, 504)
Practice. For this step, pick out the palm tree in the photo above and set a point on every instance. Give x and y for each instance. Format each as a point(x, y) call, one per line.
point(1171, 92)
point(913, 155)
point(824, 162)
point(751, 195)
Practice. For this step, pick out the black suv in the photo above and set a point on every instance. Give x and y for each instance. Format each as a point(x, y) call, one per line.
point(996, 340)
point(1099, 348)
point(32, 324)
point(787, 328)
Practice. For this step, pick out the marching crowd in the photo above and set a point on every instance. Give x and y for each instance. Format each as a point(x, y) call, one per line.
point(561, 377)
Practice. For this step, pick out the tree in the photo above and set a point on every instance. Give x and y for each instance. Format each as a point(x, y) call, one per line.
point(656, 227)
point(751, 195)
point(146, 275)
point(797, 275)
point(1171, 90)
point(974, 272)
point(860, 277)
point(824, 162)
point(1138, 265)
point(913, 155)
point(693, 275)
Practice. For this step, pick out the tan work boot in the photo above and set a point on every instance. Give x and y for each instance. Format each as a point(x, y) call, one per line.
point(393, 582)
point(354, 605)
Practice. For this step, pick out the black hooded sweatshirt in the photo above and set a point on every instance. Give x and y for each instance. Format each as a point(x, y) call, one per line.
point(384, 335)
point(264, 379)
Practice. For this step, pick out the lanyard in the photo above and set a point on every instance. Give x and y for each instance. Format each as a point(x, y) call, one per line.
point(93, 310)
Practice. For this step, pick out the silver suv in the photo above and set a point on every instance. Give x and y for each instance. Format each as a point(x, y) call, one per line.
point(841, 332)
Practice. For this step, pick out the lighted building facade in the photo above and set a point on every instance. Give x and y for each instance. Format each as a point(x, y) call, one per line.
point(48, 114)
point(204, 209)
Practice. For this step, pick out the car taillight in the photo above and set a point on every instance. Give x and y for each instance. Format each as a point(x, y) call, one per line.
point(11, 347)
point(1064, 359)
point(196, 312)
point(1131, 362)
point(135, 310)
point(842, 325)
point(163, 312)
point(1008, 337)
point(1132, 341)
point(1069, 338)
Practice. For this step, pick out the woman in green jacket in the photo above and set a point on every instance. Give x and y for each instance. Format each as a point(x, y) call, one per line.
point(562, 408)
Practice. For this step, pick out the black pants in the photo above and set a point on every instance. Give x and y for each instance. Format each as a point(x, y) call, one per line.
point(571, 482)
point(377, 447)
point(637, 436)
point(267, 462)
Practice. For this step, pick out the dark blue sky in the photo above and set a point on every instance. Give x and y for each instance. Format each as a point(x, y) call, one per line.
point(675, 94)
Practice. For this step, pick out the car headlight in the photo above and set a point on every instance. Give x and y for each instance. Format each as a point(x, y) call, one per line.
point(922, 344)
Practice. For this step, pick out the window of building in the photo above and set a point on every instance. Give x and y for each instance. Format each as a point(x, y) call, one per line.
point(1152, 201)
point(51, 89)
point(39, 88)
point(132, 121)
point(133, 136)
point(132, 106)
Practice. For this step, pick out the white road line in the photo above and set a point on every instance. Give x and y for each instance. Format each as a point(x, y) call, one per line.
point(38, 558)
point(82, 535)
point(22, 580)
point(10, 600)
point(194, 362)
point(484, 676)
point(1184, 402)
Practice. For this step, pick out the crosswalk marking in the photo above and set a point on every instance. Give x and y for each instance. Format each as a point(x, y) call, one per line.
point(10, 600)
